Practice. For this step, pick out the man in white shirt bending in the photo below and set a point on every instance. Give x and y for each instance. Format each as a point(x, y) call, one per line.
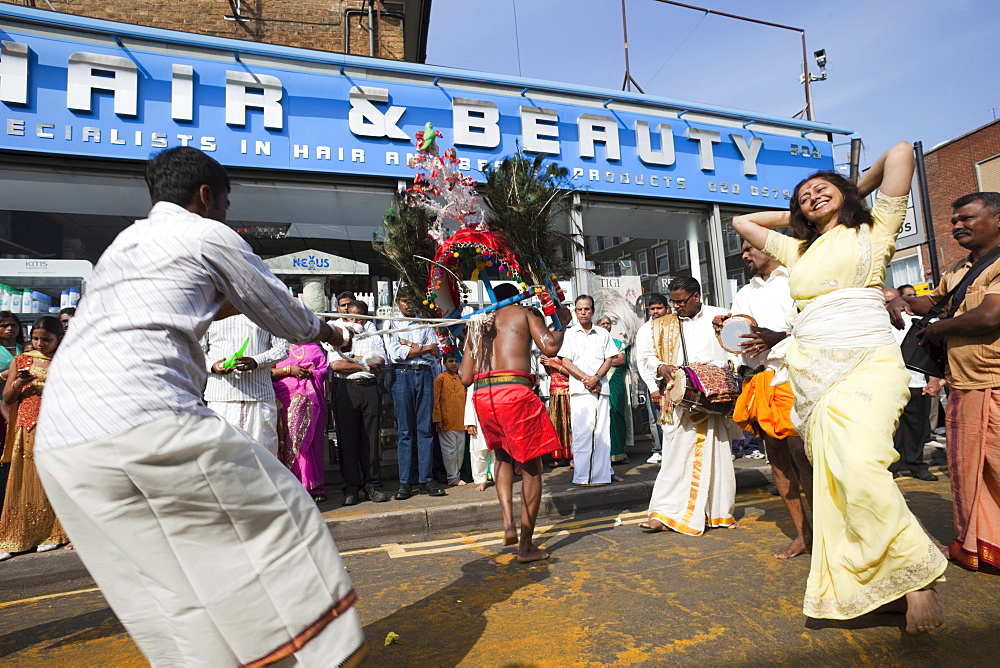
point(207, 548)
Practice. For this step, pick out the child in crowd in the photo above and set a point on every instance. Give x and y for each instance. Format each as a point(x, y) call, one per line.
point(479, 454)
point(449, 419)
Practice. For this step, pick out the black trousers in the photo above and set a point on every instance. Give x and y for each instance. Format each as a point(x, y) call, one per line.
point(357, 409)
point(913, 431)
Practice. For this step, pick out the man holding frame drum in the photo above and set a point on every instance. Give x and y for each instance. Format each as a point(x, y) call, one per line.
point(765, 313)
point(696, 485)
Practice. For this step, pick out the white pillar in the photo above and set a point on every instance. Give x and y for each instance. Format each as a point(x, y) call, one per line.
point(578, 251)
point(717, 259)
point(314, 292)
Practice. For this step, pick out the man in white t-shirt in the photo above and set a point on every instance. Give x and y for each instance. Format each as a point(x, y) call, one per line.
point(763, 407)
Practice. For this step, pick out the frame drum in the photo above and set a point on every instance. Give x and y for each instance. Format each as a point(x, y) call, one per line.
point(733, 329)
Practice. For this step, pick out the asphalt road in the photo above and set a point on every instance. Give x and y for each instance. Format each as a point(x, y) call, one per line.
point(610, 594)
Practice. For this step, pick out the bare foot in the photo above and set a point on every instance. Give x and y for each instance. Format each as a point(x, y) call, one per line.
point(68, 546)
point(734, 525)
point(653, 526)
point(923, 611)
point(531, 553)
point(510, 537)
point(793, 549)
point(572, 465)
point(481, 487)
point(617, 478)
point(460, 483)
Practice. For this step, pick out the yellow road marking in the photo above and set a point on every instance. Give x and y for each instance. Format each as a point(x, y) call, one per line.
point(6, 604)
point(470, 541)
point(465, 542)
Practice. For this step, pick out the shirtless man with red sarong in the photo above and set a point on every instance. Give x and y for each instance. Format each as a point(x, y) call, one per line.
point(513, 420)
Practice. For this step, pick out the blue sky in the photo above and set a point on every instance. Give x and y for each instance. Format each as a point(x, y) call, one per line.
point(920, 70)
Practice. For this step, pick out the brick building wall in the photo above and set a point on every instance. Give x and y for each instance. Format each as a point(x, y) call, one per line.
point(951, 173)
point(310, 24)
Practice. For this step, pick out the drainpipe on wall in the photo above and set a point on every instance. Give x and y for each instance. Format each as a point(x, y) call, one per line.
point(925, 205)
point(371, 14)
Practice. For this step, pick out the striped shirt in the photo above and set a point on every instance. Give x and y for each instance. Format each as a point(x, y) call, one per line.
point(134, 354)
point(226, 337)
point(399, 350)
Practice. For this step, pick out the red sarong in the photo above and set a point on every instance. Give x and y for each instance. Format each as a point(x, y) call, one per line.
point(512, 417)
point(973, 422)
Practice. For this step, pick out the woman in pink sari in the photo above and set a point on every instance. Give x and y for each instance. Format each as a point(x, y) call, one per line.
point(299, 387)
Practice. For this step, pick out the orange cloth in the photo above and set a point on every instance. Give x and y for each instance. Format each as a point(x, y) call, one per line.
point(974, 465)
point(764, 409)
point(449, 402)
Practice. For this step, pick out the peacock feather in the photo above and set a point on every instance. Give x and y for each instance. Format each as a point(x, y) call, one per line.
point(402, 237)
point(524, 197)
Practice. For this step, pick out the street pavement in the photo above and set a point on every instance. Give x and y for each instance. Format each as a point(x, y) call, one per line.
point(610, 594)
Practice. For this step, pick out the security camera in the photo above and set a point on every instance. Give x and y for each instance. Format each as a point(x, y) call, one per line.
point(820, 58)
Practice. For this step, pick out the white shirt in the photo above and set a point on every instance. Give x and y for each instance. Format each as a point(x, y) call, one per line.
point(223, 339)
point(587, 350)
point(917, 379)
point(398, 351)
point(645, 357)
point(699, 336)
point(769, 303)
point(134, 354)
point(362, 348)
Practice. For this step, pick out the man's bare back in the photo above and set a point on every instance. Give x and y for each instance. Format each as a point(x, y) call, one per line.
point(507, 344)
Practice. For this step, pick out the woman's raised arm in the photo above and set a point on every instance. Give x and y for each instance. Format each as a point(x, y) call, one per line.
point(891, 174)
point(753, 227)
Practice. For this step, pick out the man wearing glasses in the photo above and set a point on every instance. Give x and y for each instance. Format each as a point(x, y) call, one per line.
point(696, 485)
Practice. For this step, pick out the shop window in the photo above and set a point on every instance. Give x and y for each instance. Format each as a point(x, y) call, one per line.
point(732, 242)
point(906, 271)
point(683, 256)
point(661, 255)
point(642, 262)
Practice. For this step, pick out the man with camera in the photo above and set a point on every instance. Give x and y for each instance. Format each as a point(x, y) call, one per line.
point(972, 335)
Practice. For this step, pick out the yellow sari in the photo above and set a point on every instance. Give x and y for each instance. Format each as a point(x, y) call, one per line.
point(850, 388)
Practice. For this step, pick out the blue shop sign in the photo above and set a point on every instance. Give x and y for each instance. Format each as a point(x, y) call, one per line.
point(131, 91)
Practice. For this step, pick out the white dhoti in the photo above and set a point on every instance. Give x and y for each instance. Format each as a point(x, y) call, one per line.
point(696, 485)
point(208, 550)
point(591, 416)
point(257, 418)
point(479, 452)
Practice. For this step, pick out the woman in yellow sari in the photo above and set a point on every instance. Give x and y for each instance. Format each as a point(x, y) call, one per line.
point(850, 387)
